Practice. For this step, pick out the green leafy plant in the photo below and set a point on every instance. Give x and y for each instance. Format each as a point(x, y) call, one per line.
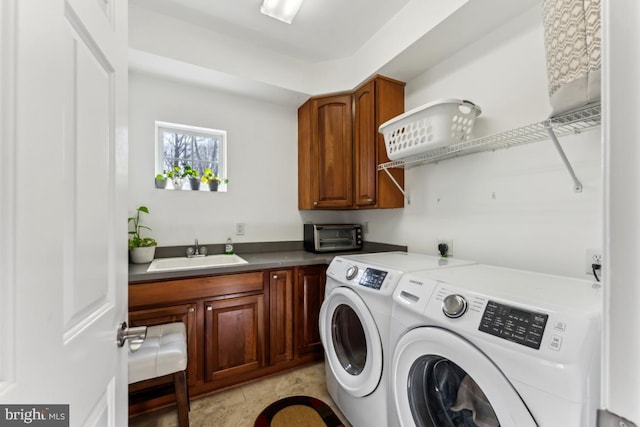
point(191, 172)
point(162, 176)
point(135, 239)
point(208, 176)
point(176, 172)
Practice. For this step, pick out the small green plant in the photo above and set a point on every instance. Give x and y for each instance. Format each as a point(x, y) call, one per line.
point(208, 176)
point(191, 172)
point(176, 172)
point(135, 239)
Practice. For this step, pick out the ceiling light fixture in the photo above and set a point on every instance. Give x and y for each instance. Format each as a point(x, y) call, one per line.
point(282, 10)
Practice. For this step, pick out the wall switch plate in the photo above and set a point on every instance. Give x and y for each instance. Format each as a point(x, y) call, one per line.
point(592, 256)
point(239, 228)
point(449, 243)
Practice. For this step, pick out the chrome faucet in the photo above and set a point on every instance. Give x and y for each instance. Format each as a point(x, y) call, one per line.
point(196, 251)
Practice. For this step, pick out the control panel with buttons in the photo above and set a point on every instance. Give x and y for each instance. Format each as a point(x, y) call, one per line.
point(372, 278)
point(520, 326)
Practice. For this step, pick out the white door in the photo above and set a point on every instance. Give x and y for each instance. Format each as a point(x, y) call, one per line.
point(63, 162)
point(351, 341)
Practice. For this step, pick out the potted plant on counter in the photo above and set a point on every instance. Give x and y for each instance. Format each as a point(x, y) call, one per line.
point(212, 180)
point(141, 249)
point(194, 177)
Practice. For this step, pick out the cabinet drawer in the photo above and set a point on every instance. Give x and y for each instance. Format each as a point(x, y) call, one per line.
point(154, 293)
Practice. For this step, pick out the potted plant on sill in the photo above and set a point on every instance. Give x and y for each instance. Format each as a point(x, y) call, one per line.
point(194, 177)
point(212, 180)
point(161, 180)
point(177, 177)
point(141, 249)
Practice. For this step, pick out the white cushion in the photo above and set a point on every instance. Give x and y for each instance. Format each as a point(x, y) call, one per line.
point(163, 352)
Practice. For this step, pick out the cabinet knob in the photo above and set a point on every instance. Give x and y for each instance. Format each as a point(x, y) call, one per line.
point(275, 276)
point(369, 200)
point(209, 308)
point(191, 309)
point(315, 203)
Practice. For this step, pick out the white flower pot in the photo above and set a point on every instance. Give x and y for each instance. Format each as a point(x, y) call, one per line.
point(142, 255)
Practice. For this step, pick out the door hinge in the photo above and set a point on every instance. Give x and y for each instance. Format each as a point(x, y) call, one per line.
point(608, 419)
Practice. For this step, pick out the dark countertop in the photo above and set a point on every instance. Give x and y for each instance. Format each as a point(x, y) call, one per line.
point(266, 260)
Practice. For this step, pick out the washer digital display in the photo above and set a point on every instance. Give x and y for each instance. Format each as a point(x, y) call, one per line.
point(372, 278)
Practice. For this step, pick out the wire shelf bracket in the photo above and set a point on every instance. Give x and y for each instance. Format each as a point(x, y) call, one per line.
point(573, 122)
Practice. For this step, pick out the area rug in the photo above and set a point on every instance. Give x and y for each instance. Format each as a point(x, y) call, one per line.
point(298, 411)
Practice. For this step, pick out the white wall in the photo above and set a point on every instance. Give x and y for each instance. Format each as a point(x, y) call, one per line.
point(262, 165)
point(535, 221)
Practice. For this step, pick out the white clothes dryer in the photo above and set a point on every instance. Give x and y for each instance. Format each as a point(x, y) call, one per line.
point(354, 328)
point(488, 346)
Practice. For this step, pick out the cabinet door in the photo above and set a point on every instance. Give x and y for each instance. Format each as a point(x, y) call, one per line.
point(332, 151)
point(365, 145)
point(309, 294)
point(234, 330)
point(389, 103)
point(185, 313)
point(280, 316)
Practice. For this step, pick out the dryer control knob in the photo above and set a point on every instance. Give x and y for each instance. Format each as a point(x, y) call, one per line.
point(454, 306)
point(351, 272)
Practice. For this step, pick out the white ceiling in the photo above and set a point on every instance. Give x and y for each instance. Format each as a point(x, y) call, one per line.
point(332, 45)
point(323, 29)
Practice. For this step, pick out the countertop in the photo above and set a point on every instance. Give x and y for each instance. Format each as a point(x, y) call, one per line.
point(259, 256)
point(256, 261)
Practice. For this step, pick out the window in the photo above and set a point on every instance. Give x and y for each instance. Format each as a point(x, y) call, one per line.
point(189, 147)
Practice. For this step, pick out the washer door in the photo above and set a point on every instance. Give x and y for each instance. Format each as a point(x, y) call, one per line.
point(351, 342)
point(439, 379)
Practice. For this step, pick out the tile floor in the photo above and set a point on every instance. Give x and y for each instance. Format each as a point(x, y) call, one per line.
point(240, 406)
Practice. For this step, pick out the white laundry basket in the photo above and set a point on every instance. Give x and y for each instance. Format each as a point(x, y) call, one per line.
point(433, 125)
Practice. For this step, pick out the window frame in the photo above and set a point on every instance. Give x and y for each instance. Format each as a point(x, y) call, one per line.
point(162, 126)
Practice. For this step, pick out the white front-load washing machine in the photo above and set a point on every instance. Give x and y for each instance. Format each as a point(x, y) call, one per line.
point(488, 346)
point(354, 328)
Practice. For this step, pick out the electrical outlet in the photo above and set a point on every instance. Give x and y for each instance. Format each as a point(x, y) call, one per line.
point(365, 227)
point(239, 228)
point(449, 244)
point(592, 256)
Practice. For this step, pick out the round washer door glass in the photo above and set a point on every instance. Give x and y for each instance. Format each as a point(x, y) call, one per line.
point(349, 340)
point(442, 394)
point(439, 379)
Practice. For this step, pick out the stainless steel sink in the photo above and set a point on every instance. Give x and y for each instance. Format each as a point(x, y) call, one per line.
point(184, 263)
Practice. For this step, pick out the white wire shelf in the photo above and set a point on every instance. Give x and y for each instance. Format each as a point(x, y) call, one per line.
point(573, 122)
point(568, 123)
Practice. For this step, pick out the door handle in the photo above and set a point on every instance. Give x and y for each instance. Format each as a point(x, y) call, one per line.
point(135, 335)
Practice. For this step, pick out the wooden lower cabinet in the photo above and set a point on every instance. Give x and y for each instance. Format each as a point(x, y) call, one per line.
point(281, 316)
point(309, 294)
point(234, 336)
point(240, 327)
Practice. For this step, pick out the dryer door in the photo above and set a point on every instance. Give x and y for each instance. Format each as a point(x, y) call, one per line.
point(439, 379)
point(351, 342)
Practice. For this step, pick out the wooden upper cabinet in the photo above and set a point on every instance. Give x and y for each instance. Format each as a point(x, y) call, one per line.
point(389, 103)
point(339, 148)
point(326, 153)
point(365, 147)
